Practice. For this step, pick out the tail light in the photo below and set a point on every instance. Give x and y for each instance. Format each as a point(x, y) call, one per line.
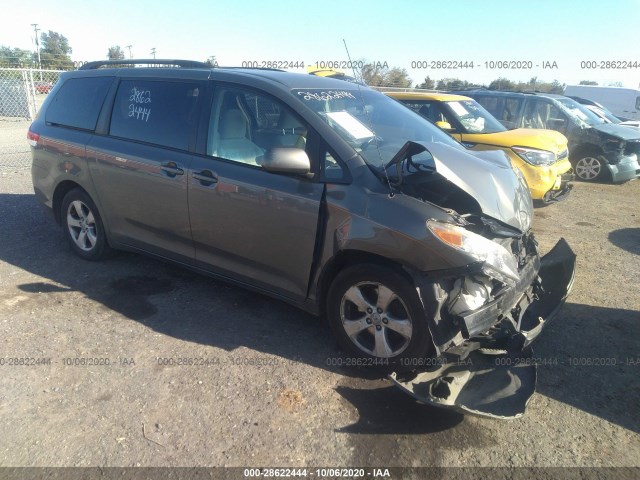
point(33, 138)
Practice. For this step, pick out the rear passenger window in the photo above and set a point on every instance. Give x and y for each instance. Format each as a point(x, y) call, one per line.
point(510, 112)
point(158, 112)
point(78, 102)
point(490, 104)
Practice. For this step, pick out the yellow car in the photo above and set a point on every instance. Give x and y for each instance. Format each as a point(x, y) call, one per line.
point(331, 73)
point(541, 155)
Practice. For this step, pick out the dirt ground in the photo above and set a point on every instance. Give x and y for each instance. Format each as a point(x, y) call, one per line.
point(262, 388)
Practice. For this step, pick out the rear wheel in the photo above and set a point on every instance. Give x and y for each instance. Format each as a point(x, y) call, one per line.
point(375, 313)
point(83, 226)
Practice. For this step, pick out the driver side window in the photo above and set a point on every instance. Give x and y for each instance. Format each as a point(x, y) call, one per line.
point(431, 111)
point(541, 113)
point(245, 124)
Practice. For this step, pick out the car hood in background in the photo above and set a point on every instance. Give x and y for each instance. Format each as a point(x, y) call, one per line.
point(541, 139)
point(621, 131)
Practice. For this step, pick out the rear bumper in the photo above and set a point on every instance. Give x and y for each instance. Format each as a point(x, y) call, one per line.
point(494, 373)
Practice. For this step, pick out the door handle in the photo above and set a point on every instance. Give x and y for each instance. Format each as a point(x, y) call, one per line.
point(205, 177)
point(171, 169)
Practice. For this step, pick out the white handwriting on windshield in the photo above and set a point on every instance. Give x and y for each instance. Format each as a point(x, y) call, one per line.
point(328, 95)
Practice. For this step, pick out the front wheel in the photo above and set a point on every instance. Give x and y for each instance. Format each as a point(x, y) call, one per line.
point(590, 168)
point(83, 226)
point(375, 313)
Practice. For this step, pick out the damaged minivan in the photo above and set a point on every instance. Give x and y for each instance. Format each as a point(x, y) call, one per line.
point(324, 194)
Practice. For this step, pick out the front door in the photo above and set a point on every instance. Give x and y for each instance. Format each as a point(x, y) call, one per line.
point(248, 224)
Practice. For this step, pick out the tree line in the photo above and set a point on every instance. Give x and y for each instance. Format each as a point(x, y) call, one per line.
point(377, 75)
point(55, 54)
point(500, 83)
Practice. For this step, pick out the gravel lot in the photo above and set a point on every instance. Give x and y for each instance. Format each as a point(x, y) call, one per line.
point(291, 408)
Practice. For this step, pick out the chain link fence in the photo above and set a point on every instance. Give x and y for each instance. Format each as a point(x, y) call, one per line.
point(22, 92)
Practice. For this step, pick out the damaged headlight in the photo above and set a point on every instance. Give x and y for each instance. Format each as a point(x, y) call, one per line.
point(535, 156)
point(498, 263)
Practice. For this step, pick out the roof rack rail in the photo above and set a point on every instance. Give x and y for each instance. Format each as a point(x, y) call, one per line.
point(470, 88)
point(405, 89)
point(144, 61)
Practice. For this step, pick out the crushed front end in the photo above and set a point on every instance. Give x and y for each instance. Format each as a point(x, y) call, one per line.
point(486, 309)
point(482, 328)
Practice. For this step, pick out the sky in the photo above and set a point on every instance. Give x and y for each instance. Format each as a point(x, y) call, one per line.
point(408, 34)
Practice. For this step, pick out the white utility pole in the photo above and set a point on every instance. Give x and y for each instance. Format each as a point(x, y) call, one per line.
point(36, 29)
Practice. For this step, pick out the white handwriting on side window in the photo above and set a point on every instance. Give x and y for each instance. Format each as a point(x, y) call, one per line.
point(136, 108)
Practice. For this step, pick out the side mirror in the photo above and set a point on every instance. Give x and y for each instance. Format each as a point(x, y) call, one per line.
point(446, 126)
point(286, 160)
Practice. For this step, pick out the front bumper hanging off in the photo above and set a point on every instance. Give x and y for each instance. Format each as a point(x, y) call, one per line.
point(496, 374)
point(563, 190)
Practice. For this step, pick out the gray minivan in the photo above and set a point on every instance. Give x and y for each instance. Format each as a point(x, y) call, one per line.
point(325, 194)
point(597, 150)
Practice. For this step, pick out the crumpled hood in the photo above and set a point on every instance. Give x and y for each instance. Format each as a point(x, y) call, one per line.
point(522, 137)
point(500, 190)
point(624, 132)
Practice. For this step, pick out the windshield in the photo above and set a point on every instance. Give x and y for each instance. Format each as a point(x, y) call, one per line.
point(375, 125)
point(579, 112)
point(605, 114)
point(474, 118)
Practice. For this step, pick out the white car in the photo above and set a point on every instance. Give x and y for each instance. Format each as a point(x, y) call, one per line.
point(604, 113)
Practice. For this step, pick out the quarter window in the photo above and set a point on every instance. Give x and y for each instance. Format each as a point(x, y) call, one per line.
point(78, 102)
point(331, 168)
point(158, 112)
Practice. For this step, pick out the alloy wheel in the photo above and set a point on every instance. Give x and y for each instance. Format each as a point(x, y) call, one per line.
point(376, 319)
point(588, 168)
point(82, 225)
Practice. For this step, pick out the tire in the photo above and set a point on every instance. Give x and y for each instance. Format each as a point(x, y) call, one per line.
point(392, 335)
point(590, 167)
point(82, 226)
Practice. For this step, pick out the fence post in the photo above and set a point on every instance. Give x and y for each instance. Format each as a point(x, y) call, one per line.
point(25, 92)
point(32, 96)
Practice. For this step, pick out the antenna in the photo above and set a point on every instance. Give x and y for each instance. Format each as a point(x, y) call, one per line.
point(366, 112)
